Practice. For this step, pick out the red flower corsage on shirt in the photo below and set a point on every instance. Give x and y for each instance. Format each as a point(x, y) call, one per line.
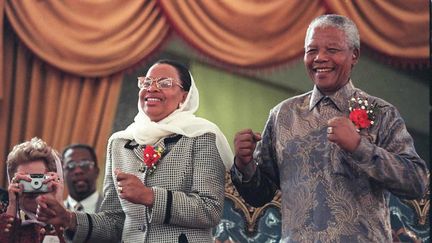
point(151, 157)
point(362, 113)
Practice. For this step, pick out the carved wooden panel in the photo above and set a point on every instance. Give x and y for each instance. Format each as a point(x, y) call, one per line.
point(251, 214)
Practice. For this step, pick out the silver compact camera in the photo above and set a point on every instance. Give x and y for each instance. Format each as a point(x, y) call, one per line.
point(35, 185)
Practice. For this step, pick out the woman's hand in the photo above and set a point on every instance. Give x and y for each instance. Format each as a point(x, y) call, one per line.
point(132, 189)
point(55, 185)
point(15, 190)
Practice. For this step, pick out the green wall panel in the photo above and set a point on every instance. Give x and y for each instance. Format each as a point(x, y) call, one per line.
point(234, 102)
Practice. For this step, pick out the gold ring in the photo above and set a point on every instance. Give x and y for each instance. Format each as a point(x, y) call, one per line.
point(120, 189)
point(330, 130)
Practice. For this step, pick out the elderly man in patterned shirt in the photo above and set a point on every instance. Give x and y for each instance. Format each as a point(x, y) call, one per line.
point(336, 152)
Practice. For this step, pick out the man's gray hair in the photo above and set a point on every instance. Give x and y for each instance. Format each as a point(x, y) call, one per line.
point(340, 22)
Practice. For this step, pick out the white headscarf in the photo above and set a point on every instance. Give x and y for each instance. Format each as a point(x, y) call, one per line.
point(181, 121)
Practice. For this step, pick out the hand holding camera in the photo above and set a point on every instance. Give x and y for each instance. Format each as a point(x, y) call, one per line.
point(29, 186)
point(34, 183)
point(16, 190)
point(37, 184)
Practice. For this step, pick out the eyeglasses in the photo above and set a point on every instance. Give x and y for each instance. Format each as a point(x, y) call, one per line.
point(161, 83)
point(83, 164)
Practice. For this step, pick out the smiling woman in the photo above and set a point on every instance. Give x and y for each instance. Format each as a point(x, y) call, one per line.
point(165, 174)
point(161, 99)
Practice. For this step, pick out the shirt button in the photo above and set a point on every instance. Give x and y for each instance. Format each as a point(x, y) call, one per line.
point(142, 227)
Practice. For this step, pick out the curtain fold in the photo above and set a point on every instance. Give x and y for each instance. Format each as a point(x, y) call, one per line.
point(99, 38)
point(2, 3)
point(61, 62)
point(60, 108)
point(89, 38)
point(398, 29)
point(5, 102)
point(242, 32)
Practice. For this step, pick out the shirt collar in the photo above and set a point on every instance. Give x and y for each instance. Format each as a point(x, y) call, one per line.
point(88, 203)
point(340, 98)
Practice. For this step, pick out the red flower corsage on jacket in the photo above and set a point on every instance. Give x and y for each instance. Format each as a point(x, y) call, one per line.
point(151, 157)
point(362, 113)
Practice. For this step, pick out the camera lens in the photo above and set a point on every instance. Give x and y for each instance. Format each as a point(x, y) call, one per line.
point(36, 184)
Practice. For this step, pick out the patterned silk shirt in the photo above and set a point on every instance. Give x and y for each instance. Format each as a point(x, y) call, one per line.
point(328, 194)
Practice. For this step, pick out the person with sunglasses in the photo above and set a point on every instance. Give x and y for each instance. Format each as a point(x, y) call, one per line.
point(81, 172)
point(165, 173)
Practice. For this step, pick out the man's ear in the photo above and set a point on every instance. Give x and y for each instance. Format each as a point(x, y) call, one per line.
point(355, 56)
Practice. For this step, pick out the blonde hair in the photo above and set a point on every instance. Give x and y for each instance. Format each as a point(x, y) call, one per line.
point(35, 149)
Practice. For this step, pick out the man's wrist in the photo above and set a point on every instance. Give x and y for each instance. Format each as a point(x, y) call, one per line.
point(247, 171)
point(72, 221)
